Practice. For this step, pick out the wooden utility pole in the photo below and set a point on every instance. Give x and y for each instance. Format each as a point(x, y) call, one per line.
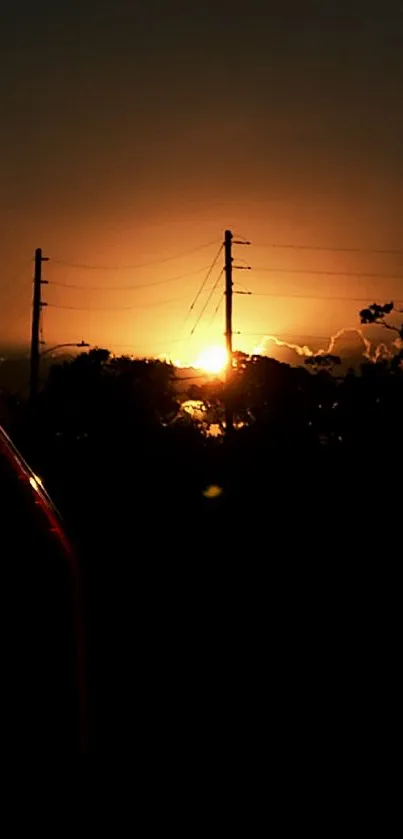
point(36, 319)
point(229, 423)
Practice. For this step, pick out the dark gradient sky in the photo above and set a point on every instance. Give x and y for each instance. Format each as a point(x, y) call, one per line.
point(135, 131)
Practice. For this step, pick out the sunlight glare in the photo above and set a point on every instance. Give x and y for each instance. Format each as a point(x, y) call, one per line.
point(212, 359)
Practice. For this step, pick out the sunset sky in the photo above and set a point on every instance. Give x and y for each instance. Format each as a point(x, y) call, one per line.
point(134, 133)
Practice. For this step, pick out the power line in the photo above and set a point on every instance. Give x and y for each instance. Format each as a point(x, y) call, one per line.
point(153, 343)
point(242, 286)
point(130, 287)
point(207, 302)
point(116, 308)
point(15, 277)
point(22, 293)
point(317, 297)
point(216, 310)
point(297, 247)
point(382, 276)
point(280, 335)
point(12, 321)
point(202, 284)
point(86, 266)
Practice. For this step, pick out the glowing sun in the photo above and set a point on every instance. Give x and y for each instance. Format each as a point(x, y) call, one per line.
point(212, 360)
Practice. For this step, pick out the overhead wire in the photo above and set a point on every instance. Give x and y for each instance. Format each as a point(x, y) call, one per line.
point(13, 320)
point(15, 299)
point(202, 285)
point(89, 267)
point(317, 297)
point(283, 335)
point(244, 287)
point(117, 308)
point(209, 270)
point(216, 310)
point(153, 343)
point(301, 247)
point(376, 275)
point(207, 302)
point(13, 279)
point(130, 287)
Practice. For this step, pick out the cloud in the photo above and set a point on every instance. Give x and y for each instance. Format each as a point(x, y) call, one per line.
point(371, 351)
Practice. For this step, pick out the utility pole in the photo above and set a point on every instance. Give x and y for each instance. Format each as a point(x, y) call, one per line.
point(229, 422)
point(36, 318)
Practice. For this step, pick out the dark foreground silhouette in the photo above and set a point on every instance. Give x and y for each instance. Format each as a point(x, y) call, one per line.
point(264, 608)
point(44, 702)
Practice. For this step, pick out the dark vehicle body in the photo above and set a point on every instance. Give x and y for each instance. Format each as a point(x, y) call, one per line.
point(43, 667)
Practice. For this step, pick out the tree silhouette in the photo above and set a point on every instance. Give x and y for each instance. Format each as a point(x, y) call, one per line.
point(311, 473)
point(324, 361)
point(97, 391)
point(376, 314)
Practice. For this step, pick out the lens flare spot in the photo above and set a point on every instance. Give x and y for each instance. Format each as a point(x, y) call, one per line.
point(212, 491)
